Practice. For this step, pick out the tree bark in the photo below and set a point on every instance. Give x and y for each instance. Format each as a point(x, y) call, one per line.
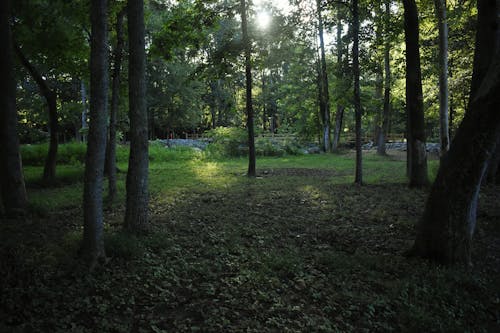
point(49, 170)
point(357, 96)
point(115, 101)
point(340, 76)
point(12, 188)
point(84, 125)
point(387, 83)
point(136, 214)
point(93, 238)
point(324, 90)
point(443, 76)
point(445, 231)
point(416, 152)
point(248, 74)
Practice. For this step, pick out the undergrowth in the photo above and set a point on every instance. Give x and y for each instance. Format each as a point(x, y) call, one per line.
point(298, 249)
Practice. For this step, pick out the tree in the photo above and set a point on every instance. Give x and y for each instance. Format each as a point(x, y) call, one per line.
point(416, 153)
point(50, 95)
point(13, 191)
point(339, 115)
point(357, 95)
point(136, 213)
point(323, 83)
point(93, 242)
point(445, 231)
point(443, 75)
point(248, 74)
point(387, 83)
point(115, 99)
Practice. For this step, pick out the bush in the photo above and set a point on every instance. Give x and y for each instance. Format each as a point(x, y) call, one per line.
point(227, 142)
point(68, 153)
point(233, 142)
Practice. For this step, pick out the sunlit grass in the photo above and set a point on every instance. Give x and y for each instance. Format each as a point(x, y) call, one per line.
point(183, 170)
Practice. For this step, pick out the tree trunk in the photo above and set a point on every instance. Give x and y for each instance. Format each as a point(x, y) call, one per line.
point(445, 231)
point(84, 127)
point(324, 90)
point(115, 101)
point(339, 115)
point(136, 214)
point(340, 76)
point(387, 83)
point(49, 171)
point(443, 75)
point(357, 96)
point(249, 107)
point(12, 188)
point(93, 239)
point(416, 152)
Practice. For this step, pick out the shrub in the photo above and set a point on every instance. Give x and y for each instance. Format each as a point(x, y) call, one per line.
point(227, 141)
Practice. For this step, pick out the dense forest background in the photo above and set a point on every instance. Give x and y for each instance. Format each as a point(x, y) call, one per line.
point(196, 74)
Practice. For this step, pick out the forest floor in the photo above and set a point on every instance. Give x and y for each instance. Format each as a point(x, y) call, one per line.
point(298, 249)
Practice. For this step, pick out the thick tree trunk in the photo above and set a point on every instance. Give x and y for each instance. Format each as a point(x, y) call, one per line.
point(445, 231)
point(49, 171)
point(324, 90)
point(357, 96)
point(493, 165)
point(93, 239)
point(416, 152)
point(387, 83)
point(339, 115)
point(248, 74)
point(136, 214)
point(443, 75)
point(12, 188)
point(115, 101)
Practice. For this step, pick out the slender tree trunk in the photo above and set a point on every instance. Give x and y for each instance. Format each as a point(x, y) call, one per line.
point(357, 96)
point(84, 125)
point(340, 76)
point(115, 101)
point(443, 75)
point(387, 83)
point(249, 107)
point(324, 90)
point(445, 231)
point(417, 154)
point(12, 188)
point(93, 239)
point(136, 214)
point(49, 171)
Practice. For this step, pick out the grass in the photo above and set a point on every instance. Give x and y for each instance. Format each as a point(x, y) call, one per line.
point(298, 249)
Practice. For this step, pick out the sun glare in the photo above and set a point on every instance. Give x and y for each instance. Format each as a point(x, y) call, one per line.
point(263, 19)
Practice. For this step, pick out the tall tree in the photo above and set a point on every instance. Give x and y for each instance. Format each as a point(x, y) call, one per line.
point(248, 73)
point(136, 213)
point(93, 242)
point(339, 115)
point(13, 191)
point(443, 75)
point(416, 152)
point(445, 231)
point(323, 83)
point(115, 99)
point(357, 95)
point(382, 135)
point(50, 95)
